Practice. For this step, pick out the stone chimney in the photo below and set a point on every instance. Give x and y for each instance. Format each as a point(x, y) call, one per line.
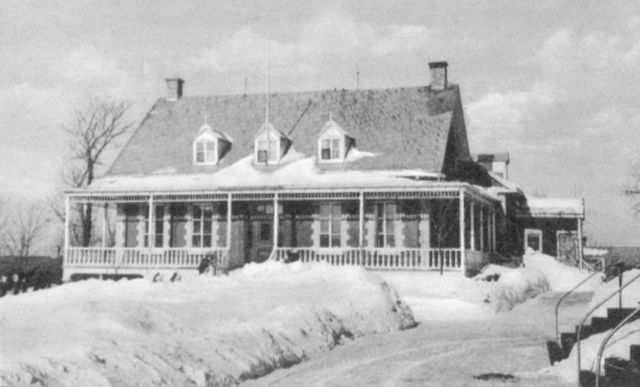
point(438, 72)
point(174, 88)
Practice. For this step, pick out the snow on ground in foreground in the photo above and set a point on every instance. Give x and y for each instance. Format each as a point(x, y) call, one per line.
point(452, 296)
point(205, 331)
point(561, 277)
point(618, 346)
point(619, 343)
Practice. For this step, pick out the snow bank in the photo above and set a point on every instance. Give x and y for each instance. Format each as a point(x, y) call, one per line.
point(501, 288)
point(454, 297)
point(211, 330)
point(618, 346)
point(561, 277)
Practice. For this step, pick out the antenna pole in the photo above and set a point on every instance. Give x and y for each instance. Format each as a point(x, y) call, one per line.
point(357, 78)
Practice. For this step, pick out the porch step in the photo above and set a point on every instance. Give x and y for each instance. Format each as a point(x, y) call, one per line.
point(600, 324)
point(560, 351)
point(616, 315)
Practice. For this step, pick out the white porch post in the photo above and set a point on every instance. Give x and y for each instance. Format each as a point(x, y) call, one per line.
point(361, 221)
point(493, 230)
point(150, 226)
point(275, 220)
point(581, 262)
point(472, 228)
point(481, 228)
point(67, 215)
point(229, 221)
point(462, 231)
point(104, 225)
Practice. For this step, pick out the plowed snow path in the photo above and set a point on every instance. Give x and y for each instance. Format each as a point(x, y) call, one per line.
point(443, 353)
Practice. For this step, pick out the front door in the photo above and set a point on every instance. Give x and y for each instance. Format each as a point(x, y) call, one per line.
point(532, 240)
point(262, 238)
point(567, 246)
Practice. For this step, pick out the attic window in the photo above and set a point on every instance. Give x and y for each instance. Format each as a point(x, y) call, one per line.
point(205, 147)
point(205, 152)
point(267, 151)
point(333, 143)
point(330, 149)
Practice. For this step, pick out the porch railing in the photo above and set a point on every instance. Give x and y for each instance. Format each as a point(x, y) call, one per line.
point(98, 257)
point(375, 258)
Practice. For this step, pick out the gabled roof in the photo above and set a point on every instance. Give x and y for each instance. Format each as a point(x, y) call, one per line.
point(407, 128)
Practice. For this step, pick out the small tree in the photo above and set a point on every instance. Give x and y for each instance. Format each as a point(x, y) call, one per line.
point(24, 225)
point(93, 130)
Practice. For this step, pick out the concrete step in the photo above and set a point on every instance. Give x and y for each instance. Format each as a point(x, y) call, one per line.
point(567, 340)
point(621, 372)
point(634, 354)
point(555, 352)
point(600, 324)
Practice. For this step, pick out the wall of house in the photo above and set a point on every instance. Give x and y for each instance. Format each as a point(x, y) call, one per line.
point(549, 227)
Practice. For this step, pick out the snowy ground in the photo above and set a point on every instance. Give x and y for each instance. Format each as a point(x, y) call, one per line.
point(459, 337)
point(224, 329)
point(268, 317)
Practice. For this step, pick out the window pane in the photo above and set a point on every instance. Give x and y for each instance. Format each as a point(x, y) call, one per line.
point(197, 212)
point(206, 241)
point(324, 226)
point(211, 151)
point(391, 241)
point(325, 154)
point(324, 240)
point(336, 211)
point(335, 240)
point(335, 149)
point(159, 240)
point(325, 144)
point(324, 210)
point(390, 226)
point(262, 156)
point(379, 240)
point(335, 225)
point(207, 227)
point(265, 231)
point(390, 210)
point(262, 145)
point(195, 242)
point(273, 150)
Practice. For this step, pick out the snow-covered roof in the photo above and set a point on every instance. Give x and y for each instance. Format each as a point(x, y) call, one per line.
point(555, 207)
point(407, 128)
point(594, 252)
point(296, 171)
point(502, 185)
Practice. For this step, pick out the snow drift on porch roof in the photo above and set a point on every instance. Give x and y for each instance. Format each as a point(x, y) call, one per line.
point(296, 170)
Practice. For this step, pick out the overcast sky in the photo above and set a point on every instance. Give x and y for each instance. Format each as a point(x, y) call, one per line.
point(555, 83)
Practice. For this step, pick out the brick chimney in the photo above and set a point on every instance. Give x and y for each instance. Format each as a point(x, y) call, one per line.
point(438, 71)
point(174, 88)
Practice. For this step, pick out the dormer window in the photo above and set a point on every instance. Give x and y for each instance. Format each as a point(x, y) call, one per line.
point(205, 152)
point(333, 143)
point(330, 149)
point(210, 146)
point(270, 145)
point(267, 151)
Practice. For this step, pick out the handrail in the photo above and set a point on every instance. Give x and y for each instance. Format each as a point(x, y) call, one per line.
point(606, 340)
point(565, 296)
point(591, 311)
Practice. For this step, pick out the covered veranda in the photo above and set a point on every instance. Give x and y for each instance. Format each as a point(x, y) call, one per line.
point(411, 228)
